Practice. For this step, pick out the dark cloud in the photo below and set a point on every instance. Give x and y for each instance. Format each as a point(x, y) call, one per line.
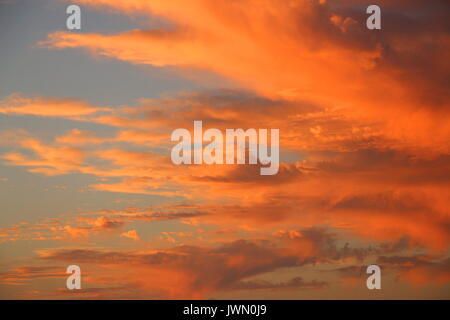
point(294, 283)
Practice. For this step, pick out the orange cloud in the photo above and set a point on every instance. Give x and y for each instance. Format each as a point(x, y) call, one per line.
point(17, 104)
point(364, 142)
point(132, 234)
point(317, 45)
point(48, 160)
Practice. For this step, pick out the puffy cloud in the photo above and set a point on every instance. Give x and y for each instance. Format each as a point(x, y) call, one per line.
point(81, 226)
point(107, 223)
point(132, 234)
point(373, 192)
point(364, 142)
point(199, 271)
point(395, 77)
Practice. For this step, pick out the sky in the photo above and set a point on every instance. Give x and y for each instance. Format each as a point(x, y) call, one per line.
point(86, 176)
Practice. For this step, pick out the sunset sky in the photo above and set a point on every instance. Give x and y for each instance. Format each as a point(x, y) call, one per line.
point(86, 177)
